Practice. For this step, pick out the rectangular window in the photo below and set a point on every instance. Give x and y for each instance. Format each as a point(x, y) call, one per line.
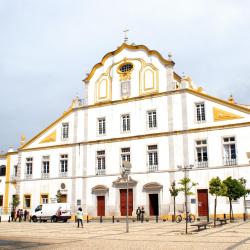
point(63, 165)
point(101, 126)
point(100, 161)
point(2, 170)
point(29, 164)
point(200, 112)
point(125, 88)
point(153, 158)
point(44, 198)
point(125, 154)
point(65, 131)
point(229, 151)
point(15, 171)
point(1, 200)
point(27, 201)
point(125, 120)
point(201, 153)
point(45, 166)
point(152, 119)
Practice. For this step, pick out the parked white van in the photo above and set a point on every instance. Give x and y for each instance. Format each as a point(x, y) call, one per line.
point(52, 211)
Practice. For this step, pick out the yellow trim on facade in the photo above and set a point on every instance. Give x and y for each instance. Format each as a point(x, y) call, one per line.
point(7, 185)
point(222, 115)
point(130, 47)
point(65, 114)
point(50, 138)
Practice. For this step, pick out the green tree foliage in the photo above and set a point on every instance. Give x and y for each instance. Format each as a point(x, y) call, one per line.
point(215, 188)
point(233, 189)
point(15, 201)
point(58, 196)
point(174, 192)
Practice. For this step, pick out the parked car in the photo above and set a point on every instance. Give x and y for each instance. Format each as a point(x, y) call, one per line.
point(52, 211)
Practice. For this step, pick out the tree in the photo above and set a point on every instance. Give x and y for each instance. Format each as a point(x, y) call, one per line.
point(15, 201)
point(232, 189)
point(215, 188)
point(174, 192)
point(186, 186)
point(58, 196)
point(247, 191)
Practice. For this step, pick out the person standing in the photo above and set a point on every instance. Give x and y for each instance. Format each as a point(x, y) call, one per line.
point(79, 216)
point(138, 214)
point(20, 215)
point(12, 214)
point(142, 214)
point(17, 214)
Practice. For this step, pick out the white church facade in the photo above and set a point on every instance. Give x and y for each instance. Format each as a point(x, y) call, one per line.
point(135, 108)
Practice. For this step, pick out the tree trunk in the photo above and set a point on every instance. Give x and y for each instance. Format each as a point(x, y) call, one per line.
point(215, 204)
point(230, 210)
point(174, 207)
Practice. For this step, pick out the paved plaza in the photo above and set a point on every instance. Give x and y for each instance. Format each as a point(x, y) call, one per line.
point(94, 235)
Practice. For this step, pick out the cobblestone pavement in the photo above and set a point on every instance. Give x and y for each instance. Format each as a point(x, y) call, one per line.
point(106, 236)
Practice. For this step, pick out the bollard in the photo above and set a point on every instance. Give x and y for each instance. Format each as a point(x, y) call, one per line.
point(9, 219)
point(87, 219)
point(113, 219)
point(40, 219)
point(101, 219)
point(244, 217)
point(224, 216)
point(173, 218)
point(0, 218)
point(156, 218)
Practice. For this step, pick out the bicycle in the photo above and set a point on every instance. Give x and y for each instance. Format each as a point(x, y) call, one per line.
point(191, 218)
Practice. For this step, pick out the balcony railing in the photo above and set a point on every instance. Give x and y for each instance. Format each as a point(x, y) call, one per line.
point(152, 168)
point(63, 174)
point(28, 176)
point(45, 175)
point(228, 161)
point(100, 171)
point(201, 164)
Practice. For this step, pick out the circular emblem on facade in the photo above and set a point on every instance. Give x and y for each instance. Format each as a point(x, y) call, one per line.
point(125, 67)
point(63, 185)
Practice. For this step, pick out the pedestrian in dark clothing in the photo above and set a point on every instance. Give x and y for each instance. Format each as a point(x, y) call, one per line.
point(17, 214)
point(25, 214)
point(12, 214)
point(20, 215)
point(138, 214)
point(79, 216)
point(142, 214)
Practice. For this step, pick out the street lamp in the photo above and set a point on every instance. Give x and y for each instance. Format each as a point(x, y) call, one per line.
point(186, 168)
point(126, 166)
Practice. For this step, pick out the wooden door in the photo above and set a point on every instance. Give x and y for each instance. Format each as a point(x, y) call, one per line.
point(202, 202)
point(63, 198)
point(100, 205)
point(123, 204)
point(153, 204)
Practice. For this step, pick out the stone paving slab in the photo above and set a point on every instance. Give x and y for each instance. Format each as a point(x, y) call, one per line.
point(94, 235)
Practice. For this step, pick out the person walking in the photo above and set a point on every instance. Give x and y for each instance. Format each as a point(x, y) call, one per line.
point(12, 214)
point(17, 214)
point(20, 215)
point(138, 214)
point(142, 214)
point(79, 216)
point(25, 214)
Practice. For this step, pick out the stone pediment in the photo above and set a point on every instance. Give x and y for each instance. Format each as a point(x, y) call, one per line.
point(152, 186)
point(122, 182)
point(99, 189)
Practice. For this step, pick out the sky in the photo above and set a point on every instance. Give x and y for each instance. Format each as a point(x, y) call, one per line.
point(48, 46)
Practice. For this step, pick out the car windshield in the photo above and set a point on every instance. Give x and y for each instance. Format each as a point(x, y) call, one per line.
point(38, 208)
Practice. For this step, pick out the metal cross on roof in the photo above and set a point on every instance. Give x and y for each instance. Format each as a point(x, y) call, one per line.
point(125, 35)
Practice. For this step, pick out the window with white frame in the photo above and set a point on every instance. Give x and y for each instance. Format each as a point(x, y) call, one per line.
point(29, 164)
point(152, 119)
point(101, 126)
point(125, 122)
point(44, 198)
point(200, 112)
point(201, 153)
point(125, 154)
point(153, 158)
point(27, 199)
point(100, 162)
point(125, 88)
point(45, 166)
point(65, 131)
point(63, 165)
point(229, 151)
